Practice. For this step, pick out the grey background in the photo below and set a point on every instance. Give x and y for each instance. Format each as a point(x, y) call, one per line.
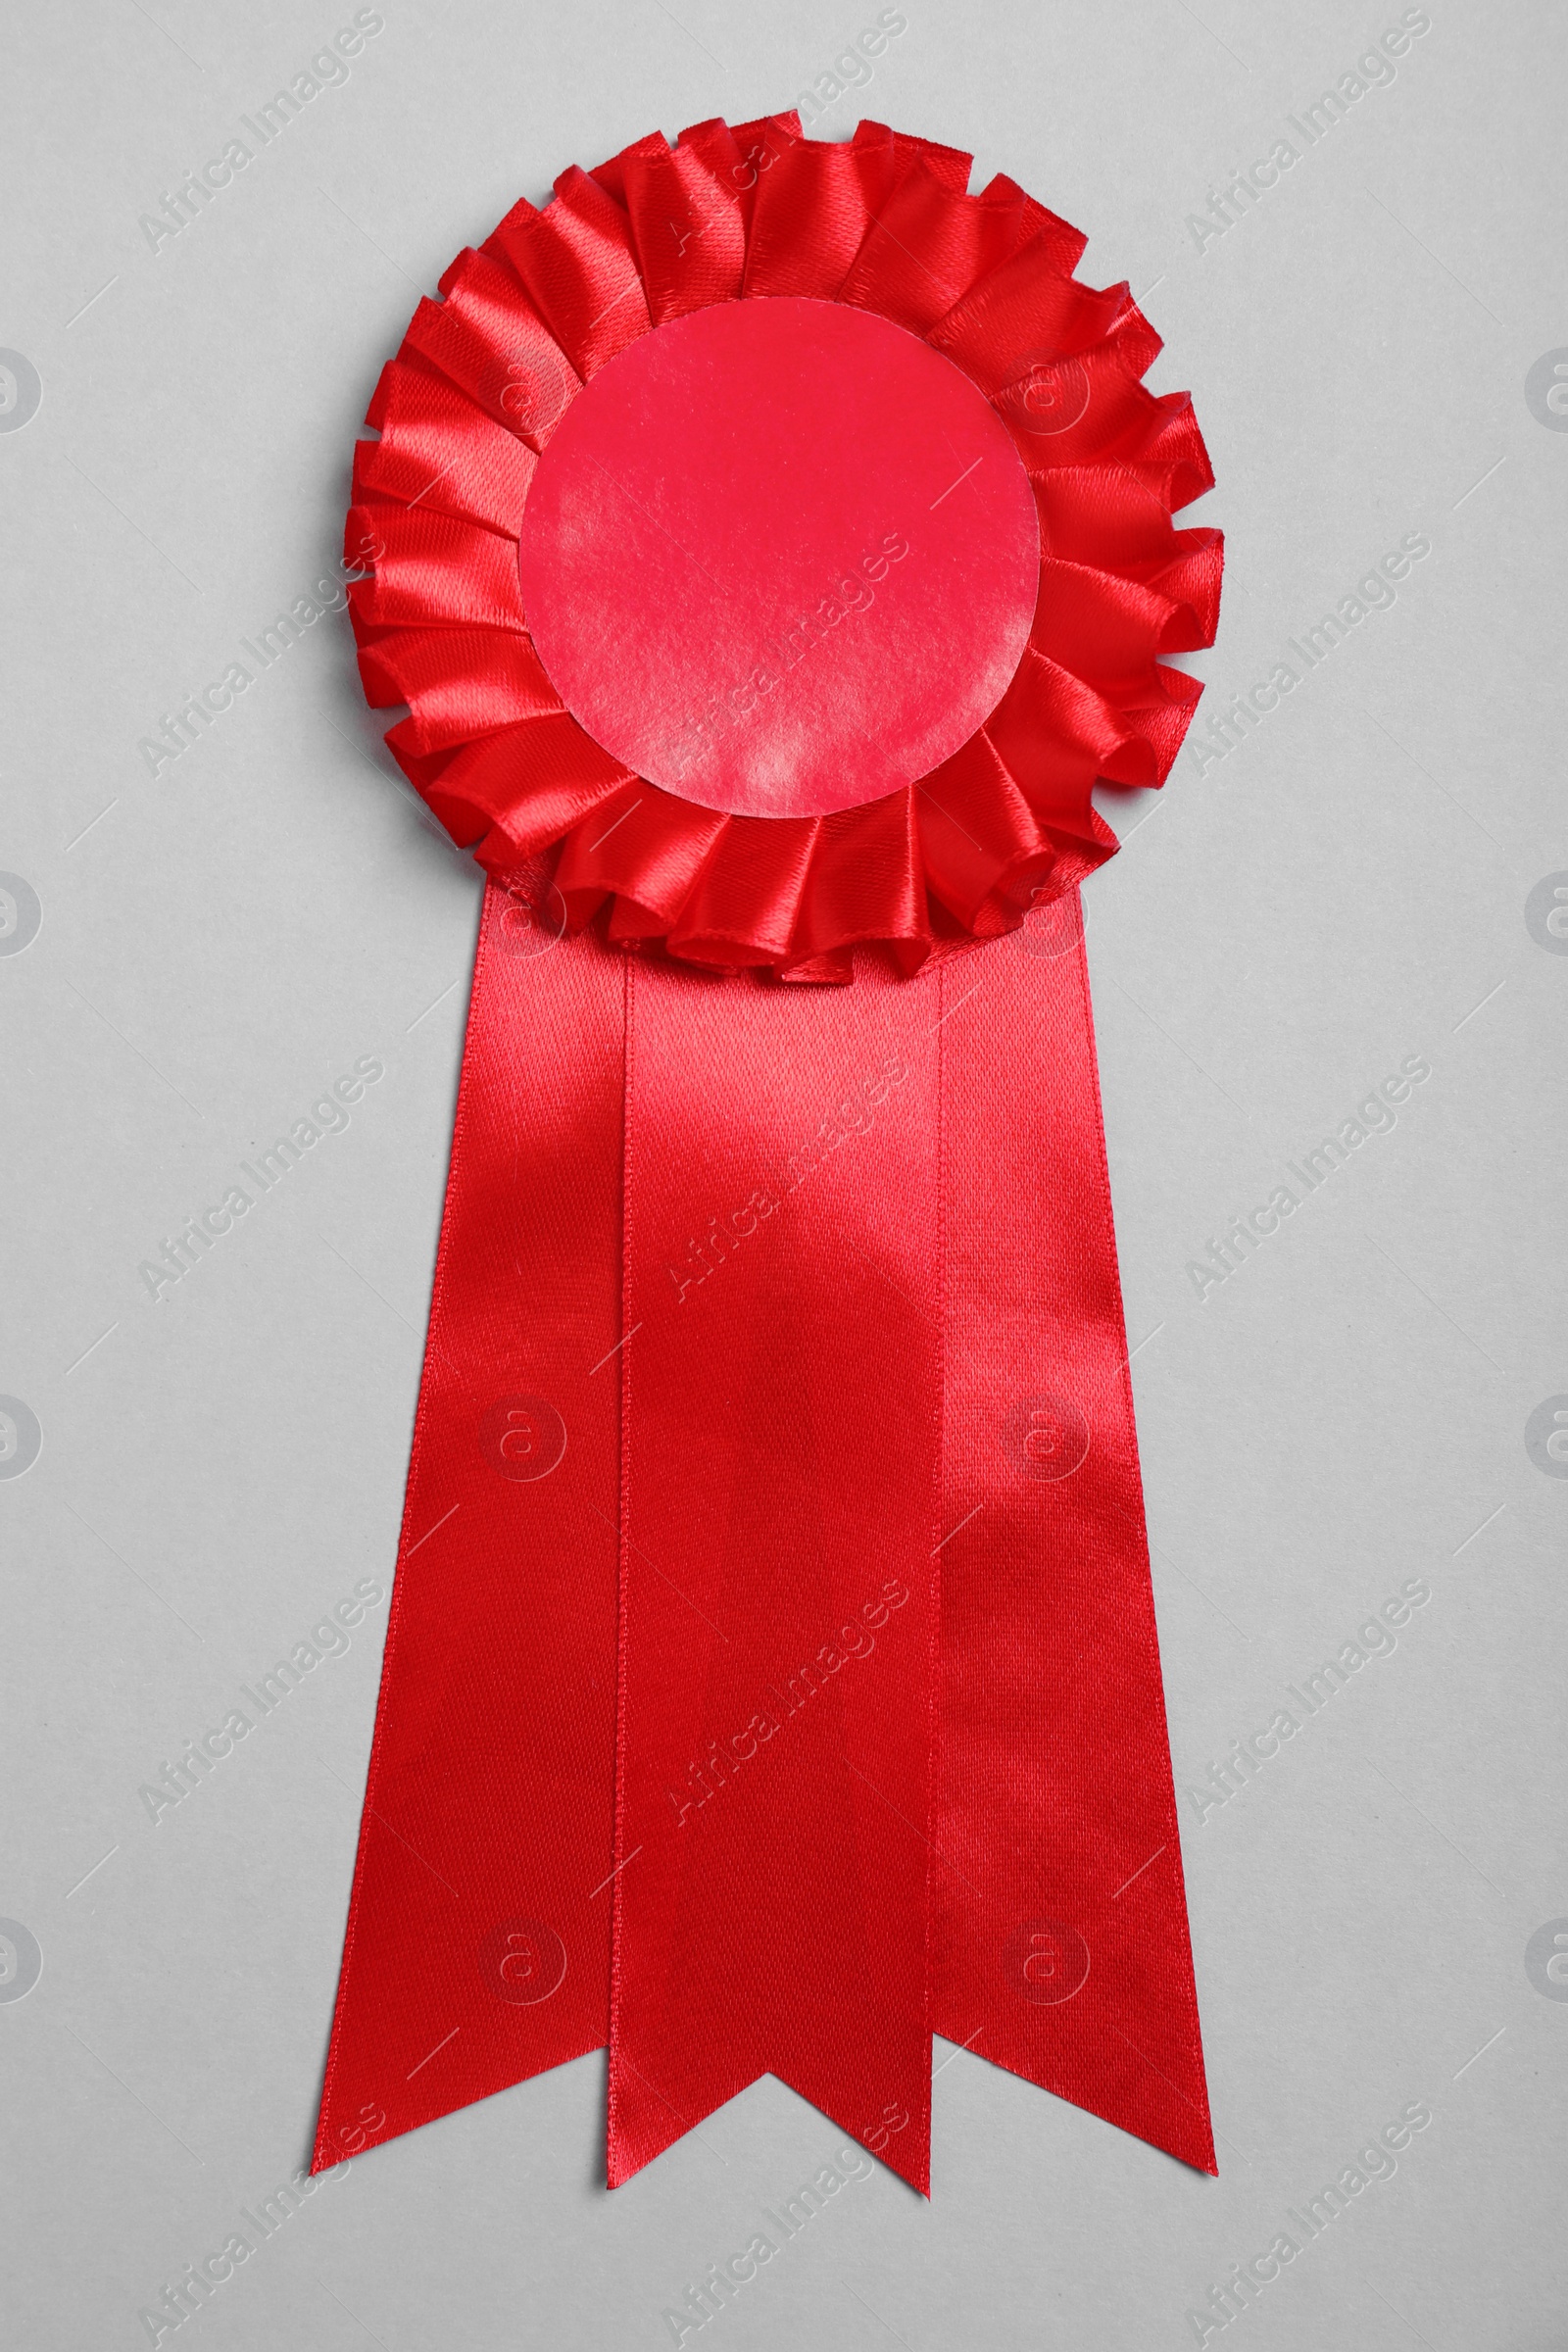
point(1348, 1411)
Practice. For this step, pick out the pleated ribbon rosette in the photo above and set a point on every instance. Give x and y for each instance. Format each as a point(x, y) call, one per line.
point(773, 544)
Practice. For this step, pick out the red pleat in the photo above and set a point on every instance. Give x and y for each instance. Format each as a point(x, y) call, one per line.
point(866, 883)
point(1109, 517)
point(813, 210)
point(689, 230)
point(1023, 312)
point(982, 842)
point(740, 155)
point(1114, 523)
point(433, 570)
point(577, 262)
point(509, 794)
point(1114, 411)
point(743, 908)
point(1166, 439)
point(511, 366)
point(1105, 630)
point(1163, 720)
point(438, 451)
point(460, 684)
point(1057, 735)
point(644, 850)
point(613, 174)
point(929, 244)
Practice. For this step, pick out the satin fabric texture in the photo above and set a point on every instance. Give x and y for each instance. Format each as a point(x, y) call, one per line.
point(771, 1677)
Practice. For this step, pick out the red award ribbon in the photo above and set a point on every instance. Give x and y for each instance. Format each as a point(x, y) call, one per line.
point(773, 544)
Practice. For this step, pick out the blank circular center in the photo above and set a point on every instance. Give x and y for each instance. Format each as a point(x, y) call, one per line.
point(780, 557)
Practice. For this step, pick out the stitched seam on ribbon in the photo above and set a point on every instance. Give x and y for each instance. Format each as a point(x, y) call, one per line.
point(394, 1616)
point(938, 1505)
point(623, 1548)
point(1149, 1637)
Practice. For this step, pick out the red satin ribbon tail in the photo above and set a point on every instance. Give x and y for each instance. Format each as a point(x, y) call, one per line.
point(772, 1600)
point(779, 1577)
point(478, 1947)
point(1062, 1941)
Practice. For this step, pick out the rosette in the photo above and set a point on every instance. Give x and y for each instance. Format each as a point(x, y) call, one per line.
point(488, 376)
point(773, 544)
